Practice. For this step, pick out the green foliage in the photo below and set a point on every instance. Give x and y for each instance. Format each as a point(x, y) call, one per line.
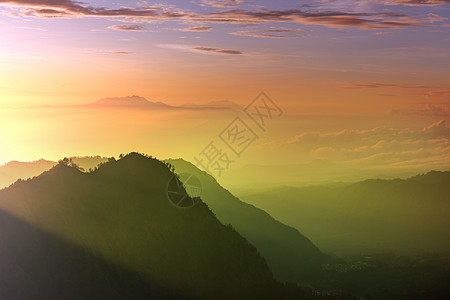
point(401, 216)
point(69, 162)
point(119, 214)
point(289, 254)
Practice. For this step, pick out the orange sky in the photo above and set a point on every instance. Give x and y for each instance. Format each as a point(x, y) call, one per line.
point(332, 66)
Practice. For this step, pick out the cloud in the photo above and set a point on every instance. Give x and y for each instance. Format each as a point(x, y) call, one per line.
point(227, 13)
point(440, 128)
point(32, 28)
point(433, 110)
point(216, 50)
point(127, 27)
point(197, 29)
point(201, 49)
point(379, 146)
point(431, 18)
point(376, 85)
point(415, 2)
point(382, 20)
point(113, 52)
point(273, 33)
point(68, 8)
point(439, 94)
point(223, 3)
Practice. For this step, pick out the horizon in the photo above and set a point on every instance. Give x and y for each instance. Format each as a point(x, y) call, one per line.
point(285, 149)
point(388, 148)
point(234, 180)
point(364, 84)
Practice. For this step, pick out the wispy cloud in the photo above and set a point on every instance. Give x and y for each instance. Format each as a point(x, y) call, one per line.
point(380, 146)
point(201, 49)
point(272, 33)
point(376, 85)
point(32, 28)
point(224, 3)
point(127, 27)
point(112, 52)
point(383, 20)
point(67, 8)
point(445, 94)
point(197, 29)
point(414, 2)
point(216, 50)
point(430, 110)
point(230, 12)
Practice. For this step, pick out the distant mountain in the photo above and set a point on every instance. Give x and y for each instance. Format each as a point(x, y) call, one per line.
point(290, 254)
point(140, 103)
point(433, 177)
point(14, 170)
point(112, 234)
point(135, 102)
point(251, 177)
point(400, 215)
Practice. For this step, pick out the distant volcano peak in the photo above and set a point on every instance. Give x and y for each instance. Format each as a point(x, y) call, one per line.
point(129, 101)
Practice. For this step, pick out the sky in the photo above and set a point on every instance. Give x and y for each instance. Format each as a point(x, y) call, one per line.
point(358, 82)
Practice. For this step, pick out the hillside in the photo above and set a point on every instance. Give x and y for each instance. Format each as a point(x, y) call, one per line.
point(289, 254)
point(14, 170)
point(113, 233)
point(400, 216)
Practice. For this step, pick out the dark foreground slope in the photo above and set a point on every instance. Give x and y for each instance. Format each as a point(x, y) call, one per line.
point(36, 264)
point(113, 234)
point(290, 255)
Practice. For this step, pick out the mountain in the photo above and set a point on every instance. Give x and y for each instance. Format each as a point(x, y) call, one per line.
point(372, 216)
point(251, 177)
point(113, 234)
point(14, 170)
point(290, 255)
point(433, 177)
point(141, 103)
point(135, 102)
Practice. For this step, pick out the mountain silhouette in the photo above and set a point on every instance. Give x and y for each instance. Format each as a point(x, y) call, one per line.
point(67, 233)
point(376, 215)
point(290, 254)
point(140, 103)
point(14, 170)
point(129, 102)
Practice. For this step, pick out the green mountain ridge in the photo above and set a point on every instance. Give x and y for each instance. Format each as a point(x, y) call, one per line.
point(375, 215)
point(120, 214)
point(290, 255)
point(14, 170)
